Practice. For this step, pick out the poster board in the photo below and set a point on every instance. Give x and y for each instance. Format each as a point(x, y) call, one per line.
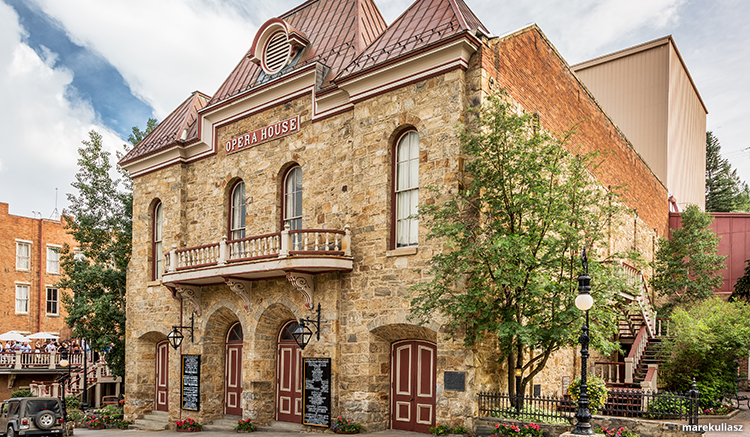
point(316, 392)
point(190, 387)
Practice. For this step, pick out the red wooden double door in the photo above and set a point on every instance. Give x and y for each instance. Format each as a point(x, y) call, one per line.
point(413, 385)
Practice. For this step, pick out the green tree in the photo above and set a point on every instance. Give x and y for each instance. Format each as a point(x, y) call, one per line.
point(686, 266)
point(512, 239)
point(100, 221)
point(742, 287)
point(706, 340)
point(725, 192)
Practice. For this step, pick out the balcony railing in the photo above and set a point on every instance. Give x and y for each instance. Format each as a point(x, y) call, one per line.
point(282, 244)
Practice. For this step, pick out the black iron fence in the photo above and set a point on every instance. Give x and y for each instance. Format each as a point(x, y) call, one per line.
point(620, 402)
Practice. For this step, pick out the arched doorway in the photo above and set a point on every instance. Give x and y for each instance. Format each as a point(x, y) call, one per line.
point(233, 371)
point(288, 376)
point(413, 385)
point(161, 379)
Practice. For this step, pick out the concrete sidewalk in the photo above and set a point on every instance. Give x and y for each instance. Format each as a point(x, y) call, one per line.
point(141, 433)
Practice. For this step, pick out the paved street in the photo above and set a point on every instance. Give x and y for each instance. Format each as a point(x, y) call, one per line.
point(742, 418)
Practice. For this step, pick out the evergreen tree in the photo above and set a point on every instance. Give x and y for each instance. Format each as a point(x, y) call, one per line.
point(742, 287)
point(687, 265)
point(100, 220)
point(512, 239)
point(725, 192)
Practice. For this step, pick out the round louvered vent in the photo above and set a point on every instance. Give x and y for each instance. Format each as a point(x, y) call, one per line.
point(276, 53)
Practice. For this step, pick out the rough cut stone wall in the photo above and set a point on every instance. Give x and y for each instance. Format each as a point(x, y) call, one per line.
point(347, 180)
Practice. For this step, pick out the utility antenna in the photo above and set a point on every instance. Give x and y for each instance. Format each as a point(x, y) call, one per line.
point(55, 214)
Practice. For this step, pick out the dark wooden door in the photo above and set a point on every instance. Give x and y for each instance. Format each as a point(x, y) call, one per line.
point(162, 376)
point(233, 371)
point(413, 369)
point(289, 377)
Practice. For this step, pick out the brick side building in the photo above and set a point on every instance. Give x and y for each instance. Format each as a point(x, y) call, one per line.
point(29, 269)
point(292, 187)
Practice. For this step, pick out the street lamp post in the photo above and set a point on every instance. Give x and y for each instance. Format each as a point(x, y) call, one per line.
point(584, 302)
point(64, 362)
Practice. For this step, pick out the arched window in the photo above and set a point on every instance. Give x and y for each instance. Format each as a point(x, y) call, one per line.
point(406, 189)
point(158, 250)
point(237, 212)
point(293, 198)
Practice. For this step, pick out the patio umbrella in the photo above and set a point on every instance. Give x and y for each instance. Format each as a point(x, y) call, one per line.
point(14, 336)
point(43, 336)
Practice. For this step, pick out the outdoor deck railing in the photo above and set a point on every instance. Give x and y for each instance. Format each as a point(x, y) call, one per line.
point(37, 360)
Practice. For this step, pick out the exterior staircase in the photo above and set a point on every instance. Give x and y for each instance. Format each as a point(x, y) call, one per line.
point(651, 355)
point(226, 423)
point(154, 421)
point(97, 374)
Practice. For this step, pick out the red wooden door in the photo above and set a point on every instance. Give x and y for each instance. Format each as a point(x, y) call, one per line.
point(233, 371)
point(288, 377)
point(413, 368)
point(162, 376)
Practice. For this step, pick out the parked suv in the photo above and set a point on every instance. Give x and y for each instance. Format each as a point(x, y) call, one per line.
point(32, 417)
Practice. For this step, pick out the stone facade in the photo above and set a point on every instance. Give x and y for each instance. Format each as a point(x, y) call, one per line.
point(347, 163)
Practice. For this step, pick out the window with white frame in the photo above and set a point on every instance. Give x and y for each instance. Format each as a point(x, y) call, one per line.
point(53, 259)
point(23, 255)
point(237, 212)
point(293, 198)
point(22, 298)
point(52, 301)
point(158, 267)
point(407, 189)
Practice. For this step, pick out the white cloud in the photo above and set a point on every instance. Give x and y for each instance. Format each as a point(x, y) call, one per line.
point(42, 129)
point(164, 49)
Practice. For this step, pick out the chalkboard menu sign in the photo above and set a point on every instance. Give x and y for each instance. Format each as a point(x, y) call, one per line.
point(316, 396)
point(191, 382)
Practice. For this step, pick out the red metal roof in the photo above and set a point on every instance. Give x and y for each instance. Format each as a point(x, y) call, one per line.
point(338, 31)
point(425, 22)
point(170, 130)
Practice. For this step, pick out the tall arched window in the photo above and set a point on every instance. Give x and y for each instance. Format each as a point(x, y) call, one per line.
point(293, 198)
point(406, 189)
point(237, 212)
point(158, 250)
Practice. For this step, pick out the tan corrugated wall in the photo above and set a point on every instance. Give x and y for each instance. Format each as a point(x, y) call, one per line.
point(633, 90)
point(687, 138)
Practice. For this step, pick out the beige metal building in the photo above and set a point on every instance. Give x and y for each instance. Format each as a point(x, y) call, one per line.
point(648, 92)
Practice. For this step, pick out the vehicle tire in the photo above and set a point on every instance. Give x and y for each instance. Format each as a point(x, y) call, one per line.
point(45, 419)
point(11, 432)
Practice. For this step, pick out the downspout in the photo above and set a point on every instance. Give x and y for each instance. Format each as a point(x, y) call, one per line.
point(41, 278)
point(180, 357)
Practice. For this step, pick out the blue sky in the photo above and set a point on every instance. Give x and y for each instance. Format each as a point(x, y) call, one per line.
point(69, 66)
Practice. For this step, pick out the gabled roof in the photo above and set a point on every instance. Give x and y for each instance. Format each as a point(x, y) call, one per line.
point(425, 22)
point(170, 130)
point(338, 31)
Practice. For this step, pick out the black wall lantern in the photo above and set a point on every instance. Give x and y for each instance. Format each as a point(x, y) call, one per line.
point(175, 336)
point(303, 334)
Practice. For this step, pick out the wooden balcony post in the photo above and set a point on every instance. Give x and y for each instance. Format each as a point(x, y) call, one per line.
point(284, 252)
point(347, 241)
point(173, 259)
point(18, 360)
point(53, 360)
point(223, 252)
point(629, 370)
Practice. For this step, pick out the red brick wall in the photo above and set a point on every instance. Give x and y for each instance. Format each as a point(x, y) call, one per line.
point(535, 76)
point(14, 227)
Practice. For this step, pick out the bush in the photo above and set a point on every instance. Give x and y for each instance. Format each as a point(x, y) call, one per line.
point(439, 429)
point(23, 393)
point(616, 432)
point(530, 430)
point(72, 402)
point(596, 389)
point(245, 425)
point(666, 406)
point(341, 424)
point(532, 413)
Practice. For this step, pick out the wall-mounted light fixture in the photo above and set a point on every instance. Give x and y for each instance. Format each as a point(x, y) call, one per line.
point(303, 334)
point(175, 336)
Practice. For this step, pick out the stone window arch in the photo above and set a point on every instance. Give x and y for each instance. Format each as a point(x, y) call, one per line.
point(405, 194)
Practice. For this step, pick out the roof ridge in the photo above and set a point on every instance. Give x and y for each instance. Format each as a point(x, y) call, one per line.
point(459, 14)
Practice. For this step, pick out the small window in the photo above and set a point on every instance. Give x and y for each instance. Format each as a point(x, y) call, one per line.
point(23, 256)
point(407, 189)
point(237, 213)
point(286, 332)
point(293, 199)
point(22, 298)
point(158, 267)
point(235, 334)
point(53, 260)
point(52, 301)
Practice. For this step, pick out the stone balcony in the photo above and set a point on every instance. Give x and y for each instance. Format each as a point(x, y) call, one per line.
point(296, 255)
